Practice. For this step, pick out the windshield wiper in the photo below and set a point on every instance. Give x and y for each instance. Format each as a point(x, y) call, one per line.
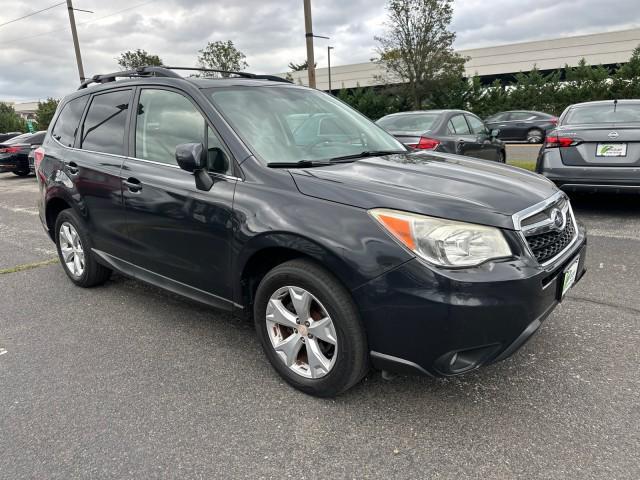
point(299, 164)
point(365, 154)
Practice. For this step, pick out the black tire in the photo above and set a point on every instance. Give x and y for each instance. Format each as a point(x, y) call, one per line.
point(21, 173)
point(502, 157)
point(535, 135)
point(94, 273)
point(352, 362)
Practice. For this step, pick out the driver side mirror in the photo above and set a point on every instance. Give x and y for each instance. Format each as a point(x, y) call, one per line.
point(192, 157)
point(495, 132)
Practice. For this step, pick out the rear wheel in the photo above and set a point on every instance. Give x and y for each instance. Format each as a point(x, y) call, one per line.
point(21, 173)
point(74, 251)
point(502, 157)
point(310, 329)
point(535, 135)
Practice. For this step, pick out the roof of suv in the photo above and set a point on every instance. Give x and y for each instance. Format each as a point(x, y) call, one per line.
point(607, 102)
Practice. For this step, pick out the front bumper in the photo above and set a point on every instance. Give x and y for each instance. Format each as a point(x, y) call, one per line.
point(422, 320)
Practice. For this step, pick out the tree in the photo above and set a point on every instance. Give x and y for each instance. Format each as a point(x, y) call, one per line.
point(10, 121)
point(298, 67)
point(45, 112)
point(138, 58)
point(221, 56)
point(417, 47)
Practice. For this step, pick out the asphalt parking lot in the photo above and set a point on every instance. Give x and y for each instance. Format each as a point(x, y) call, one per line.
point(127, 381)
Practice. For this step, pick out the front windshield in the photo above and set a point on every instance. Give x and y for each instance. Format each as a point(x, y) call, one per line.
point(603, 113)
point(290, 124)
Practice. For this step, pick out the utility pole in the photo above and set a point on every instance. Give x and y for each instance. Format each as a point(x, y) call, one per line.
point(329, 65)
point(76, 45)
point(308, 28)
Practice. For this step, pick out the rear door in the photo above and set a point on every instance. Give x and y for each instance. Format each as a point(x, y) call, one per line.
point(176, 230)
point(94, 167)
point(465, 141)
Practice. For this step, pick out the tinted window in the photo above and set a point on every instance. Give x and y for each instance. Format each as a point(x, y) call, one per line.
point(498, 117)
point(409, 123)
point(521, 116)
point(36, 138)
point(103, 127)
point(166, 119)
point(18, 139)
point(459, 125)
point(68, 121)
point(477, 126)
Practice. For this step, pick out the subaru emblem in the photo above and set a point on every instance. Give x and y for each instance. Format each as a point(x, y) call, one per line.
point(613, 135)
point(557, 219)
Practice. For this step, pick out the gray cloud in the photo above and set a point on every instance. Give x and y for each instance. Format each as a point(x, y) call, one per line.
point(37, 60)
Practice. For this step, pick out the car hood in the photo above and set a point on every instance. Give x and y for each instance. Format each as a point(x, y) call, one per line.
point(436, 184)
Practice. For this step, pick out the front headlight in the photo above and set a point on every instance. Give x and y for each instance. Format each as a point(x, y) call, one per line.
point(446, 243)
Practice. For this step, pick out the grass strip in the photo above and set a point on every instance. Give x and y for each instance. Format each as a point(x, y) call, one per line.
point(28, 266)
point(526, 164)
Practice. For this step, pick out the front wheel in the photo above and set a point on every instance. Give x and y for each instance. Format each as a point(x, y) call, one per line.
point(310, 329)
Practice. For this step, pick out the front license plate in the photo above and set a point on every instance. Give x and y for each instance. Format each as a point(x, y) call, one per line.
point(569, 277)
point(611, 150)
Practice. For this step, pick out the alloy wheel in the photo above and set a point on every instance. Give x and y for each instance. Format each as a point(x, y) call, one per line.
point(71, 249)
point(301, 332)
point(534, 136)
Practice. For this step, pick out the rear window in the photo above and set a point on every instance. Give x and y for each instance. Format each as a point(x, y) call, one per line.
point(604, 113)
point(66, 126)
point(103, 127)
point(409, 123)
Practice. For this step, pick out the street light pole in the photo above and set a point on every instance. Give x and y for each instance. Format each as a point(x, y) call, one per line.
point(76, 45)
point(308, 28)
point(329, 65)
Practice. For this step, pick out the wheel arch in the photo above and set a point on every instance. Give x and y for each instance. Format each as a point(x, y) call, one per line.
point(53, 207)
point(270, 250)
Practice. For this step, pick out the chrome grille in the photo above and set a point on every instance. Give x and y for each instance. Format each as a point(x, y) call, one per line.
point(545, 246)
point(548, 228)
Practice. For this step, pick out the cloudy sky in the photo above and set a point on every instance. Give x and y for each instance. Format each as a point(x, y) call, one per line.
point(37, 59)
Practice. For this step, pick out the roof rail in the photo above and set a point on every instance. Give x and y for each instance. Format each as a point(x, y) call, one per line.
point(254, 76)
point(137, 72)
point(168, 72)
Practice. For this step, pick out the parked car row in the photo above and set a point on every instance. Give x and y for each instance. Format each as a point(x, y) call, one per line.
point(15, 152)
point(450, 131)
point(279, 202)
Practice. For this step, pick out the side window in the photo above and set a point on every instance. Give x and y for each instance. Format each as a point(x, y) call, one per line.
point(103, 127)
point(521, 116)
point(477, 126)
point(459, 125)
point(68, 121)
point(167, 119)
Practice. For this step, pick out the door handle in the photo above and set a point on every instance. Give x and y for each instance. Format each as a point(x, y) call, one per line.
point(133, 184)
point(72, 168)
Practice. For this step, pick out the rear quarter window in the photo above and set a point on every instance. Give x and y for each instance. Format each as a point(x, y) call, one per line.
point(66, 126)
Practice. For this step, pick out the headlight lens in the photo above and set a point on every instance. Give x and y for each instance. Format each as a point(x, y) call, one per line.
point(443, 242)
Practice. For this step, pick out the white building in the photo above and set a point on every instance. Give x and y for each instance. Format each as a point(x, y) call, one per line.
point(608, 48)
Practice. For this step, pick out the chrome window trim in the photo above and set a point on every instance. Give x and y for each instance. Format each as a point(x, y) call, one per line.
point(124, 157)
point(538, 207)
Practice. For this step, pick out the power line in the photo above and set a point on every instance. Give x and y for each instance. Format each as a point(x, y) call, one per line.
point(31, 14)
point(21, 39)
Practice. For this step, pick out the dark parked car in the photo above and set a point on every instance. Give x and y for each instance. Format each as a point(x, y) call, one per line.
point(450, 131)
point(347, 251)
point(14, 152)
point(522, 125)
point(596, 147)
point(7, 136)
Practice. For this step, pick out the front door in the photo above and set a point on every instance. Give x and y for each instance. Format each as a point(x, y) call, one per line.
point(489, 149)
point(177, 231)
point(465, 141)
